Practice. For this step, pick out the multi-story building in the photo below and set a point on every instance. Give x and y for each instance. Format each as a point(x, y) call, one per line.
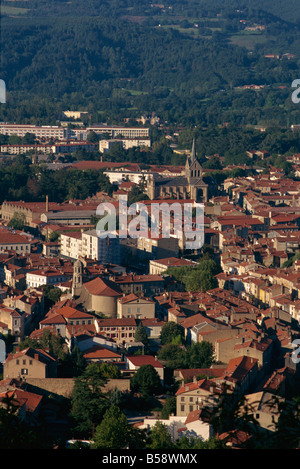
point(70, 244)
point(37, 278)
point(43, 132)
point(105, 145)
point(10, 241)
point(117, 131)
point(138, 307)
point(105, 250)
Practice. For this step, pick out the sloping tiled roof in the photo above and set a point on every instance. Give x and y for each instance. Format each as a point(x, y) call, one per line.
point(140, 360)
point(100, 287)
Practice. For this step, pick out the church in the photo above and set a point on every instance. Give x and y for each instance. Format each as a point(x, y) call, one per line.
point(191, 185)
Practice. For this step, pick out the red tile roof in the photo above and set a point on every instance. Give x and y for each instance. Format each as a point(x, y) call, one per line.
point(100, 287)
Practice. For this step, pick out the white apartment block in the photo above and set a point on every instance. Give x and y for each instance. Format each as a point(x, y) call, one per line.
point(48, 148)
point(45, 131)
point(105, 250)
point(105, 145)
point(70, 244)
point(117, 131)
point(88, 245)
point(38, 278)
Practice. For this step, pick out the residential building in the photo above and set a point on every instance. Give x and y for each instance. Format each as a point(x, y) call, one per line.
point(138, 307)
point(30, 363)
point(105, 250)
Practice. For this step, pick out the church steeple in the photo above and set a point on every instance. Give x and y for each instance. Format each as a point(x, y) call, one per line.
point(193, 152)
point(193, 168)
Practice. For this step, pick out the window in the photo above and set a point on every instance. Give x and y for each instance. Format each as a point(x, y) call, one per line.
point(182, 408)
point(24, 371)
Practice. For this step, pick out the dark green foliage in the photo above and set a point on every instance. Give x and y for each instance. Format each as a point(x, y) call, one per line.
point(169, 407)
point(198, 278)
point(141, 335)
point(170, 332)
point(16, 434)
point(146, 381)
point(114, 432)
point(88, 401)
point(196, 355)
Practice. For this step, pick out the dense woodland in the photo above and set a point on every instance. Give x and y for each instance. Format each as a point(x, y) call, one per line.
point(186, 62)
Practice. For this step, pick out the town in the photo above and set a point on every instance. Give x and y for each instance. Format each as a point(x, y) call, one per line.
point(170, 334)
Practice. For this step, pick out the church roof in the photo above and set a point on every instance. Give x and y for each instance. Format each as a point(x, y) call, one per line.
point(100, 287)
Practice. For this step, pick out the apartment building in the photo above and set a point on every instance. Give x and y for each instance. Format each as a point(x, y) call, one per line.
point(43, 132)
point(105, 145)
point(117, 131)
point(70, 244)
point(105, 250)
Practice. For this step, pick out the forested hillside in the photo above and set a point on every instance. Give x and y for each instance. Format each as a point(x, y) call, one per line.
point(187, 61)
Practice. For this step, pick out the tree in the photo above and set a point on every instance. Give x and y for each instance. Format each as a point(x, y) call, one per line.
point(141, 335)
point(88, 401)
point(52, 294)
point(146, 381)
point(15, 433)
point(200, 355)
point(160, 437)
point(171, 331)
point(17, 222)
point(174, 356)
point(169, 407)
point(112, 433)
point(92, 137)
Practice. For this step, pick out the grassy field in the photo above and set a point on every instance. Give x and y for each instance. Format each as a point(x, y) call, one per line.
point(12, 11)
point(248, 40)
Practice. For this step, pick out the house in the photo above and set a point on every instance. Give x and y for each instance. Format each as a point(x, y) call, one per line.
point(64, 317)
point(198, 394)
point(14, 319)
point(242, 372)
point(141, 284)
point(138, 307)
point(158, 266)
point(46, 276)
point(28, 403)
point(121, 330)
point(134, 363)
point(30, 363)
point(100, 354)
point(264, 407)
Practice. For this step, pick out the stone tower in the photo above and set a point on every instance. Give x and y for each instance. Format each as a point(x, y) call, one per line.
point(77, 278)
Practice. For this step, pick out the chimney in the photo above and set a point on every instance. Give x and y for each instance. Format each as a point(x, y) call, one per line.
point(47, 204)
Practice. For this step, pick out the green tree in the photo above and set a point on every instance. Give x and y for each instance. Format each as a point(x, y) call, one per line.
point(15, 433)
point(88, 401)
point(200, 355)
point(160, 437)
point(169, 407)
point(141, 335)
point(112, 433)
point(171, 331)
point(17, 222)
point(174, 356)
point(146, 381)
